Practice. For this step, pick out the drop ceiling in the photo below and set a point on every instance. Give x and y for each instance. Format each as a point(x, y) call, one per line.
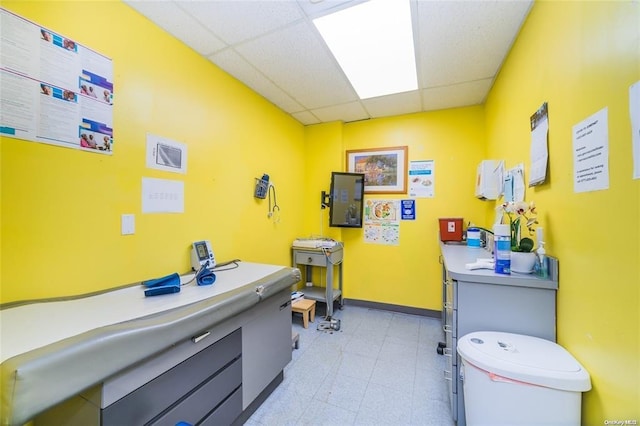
point(273, 47)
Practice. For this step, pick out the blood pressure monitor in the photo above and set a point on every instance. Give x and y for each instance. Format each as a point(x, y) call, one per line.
point(202, 255)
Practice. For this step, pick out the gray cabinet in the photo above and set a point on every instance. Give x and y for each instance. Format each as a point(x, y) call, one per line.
point(324, 258)
point(484, 301)
point(266, 345)
point(217, 377)
point(187, 392)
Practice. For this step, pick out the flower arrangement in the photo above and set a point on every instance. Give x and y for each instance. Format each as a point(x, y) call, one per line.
point(520, 213)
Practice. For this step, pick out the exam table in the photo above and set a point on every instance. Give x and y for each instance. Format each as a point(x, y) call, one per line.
point(207, 354)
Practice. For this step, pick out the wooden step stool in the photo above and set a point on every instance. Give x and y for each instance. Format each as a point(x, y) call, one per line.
point(307, 308)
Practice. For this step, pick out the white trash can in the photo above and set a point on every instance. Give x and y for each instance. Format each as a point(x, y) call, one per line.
point(511, 379)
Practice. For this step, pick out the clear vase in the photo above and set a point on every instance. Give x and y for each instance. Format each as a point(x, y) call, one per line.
point(514, 226)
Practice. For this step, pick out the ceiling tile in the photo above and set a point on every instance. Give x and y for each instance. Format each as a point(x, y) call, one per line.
point(352, 111)
point(238, 67)
point(317, 8)
point(168, 16)
point(401, 103)
point(296, 60)
point(457, 95)
point(306, 118)
point(237, 21)
point(465, 41)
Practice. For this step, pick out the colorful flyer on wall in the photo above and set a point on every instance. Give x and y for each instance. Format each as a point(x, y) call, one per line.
point(52, 89)
point(422, 179)
point(408, 209)
point(382, 222)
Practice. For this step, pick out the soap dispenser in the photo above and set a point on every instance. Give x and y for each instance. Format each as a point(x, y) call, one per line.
point(543, 262)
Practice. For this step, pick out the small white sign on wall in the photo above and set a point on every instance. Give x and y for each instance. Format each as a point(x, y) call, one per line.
point(591, 153)
point(162, 196)
point(165, 154)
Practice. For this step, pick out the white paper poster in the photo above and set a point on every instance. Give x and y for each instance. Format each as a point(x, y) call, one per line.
point(52, 89)
point(634, 111)
point(162, 196)
point(513, 184)
point(165, 154)
point(422, 179)
point(591, 153)
point(539, 149)
point(382, 222)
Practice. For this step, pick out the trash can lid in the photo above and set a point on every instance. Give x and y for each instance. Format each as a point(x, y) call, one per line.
point(524, 358)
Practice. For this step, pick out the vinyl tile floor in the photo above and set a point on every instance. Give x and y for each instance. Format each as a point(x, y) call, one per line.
point(380, 368)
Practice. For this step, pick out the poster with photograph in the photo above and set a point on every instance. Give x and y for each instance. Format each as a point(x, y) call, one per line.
point(52, 89)
point(422, 179)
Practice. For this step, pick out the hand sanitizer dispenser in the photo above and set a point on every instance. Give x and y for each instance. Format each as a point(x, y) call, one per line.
point(489, 179)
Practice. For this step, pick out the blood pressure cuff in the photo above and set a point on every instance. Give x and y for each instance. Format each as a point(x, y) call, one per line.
point(205, 277)
point(163, 285)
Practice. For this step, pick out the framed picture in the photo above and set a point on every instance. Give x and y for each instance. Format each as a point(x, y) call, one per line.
point(385, 169)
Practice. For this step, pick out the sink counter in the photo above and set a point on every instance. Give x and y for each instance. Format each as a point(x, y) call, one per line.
point(456, 256)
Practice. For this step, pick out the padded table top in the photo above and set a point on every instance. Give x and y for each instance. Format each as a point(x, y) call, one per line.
point(52, 350)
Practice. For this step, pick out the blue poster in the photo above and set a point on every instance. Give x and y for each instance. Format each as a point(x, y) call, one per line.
point(408, 208)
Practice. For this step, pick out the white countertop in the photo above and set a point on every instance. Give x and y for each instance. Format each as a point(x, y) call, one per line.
point(457, 256)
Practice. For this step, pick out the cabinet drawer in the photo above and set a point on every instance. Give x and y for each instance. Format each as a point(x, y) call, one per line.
point(146, 402)
point(227, 412)
point(309, 258)
point(202, 401)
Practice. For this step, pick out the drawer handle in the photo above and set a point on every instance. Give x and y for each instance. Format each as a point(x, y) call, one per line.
point(196, 339)
point(310, 259)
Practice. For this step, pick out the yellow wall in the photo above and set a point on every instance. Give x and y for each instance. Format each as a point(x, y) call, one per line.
point(578, 56)
point(407, 274)
point(581, 57)
point(61, 208)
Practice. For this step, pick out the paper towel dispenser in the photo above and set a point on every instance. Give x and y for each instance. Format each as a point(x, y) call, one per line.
point(489, 179)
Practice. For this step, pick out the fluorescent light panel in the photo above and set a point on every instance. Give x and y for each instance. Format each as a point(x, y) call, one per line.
point(373, 43)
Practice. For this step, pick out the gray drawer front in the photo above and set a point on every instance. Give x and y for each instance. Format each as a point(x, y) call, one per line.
point(197, 405)
point(308, 258)
point(146, 402)
point(227, 412)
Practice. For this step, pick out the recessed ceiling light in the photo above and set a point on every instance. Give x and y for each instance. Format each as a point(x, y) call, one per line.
point(373, 43)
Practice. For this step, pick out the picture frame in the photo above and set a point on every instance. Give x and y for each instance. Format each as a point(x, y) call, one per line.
point(385, 169)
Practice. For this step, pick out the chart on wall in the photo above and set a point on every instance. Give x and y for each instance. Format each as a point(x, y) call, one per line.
point(52, 89)
point(382, 222)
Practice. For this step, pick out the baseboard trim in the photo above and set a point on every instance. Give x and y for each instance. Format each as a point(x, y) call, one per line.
point(393, 308)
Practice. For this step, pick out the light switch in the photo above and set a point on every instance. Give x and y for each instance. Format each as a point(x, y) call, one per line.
point(128, 224)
